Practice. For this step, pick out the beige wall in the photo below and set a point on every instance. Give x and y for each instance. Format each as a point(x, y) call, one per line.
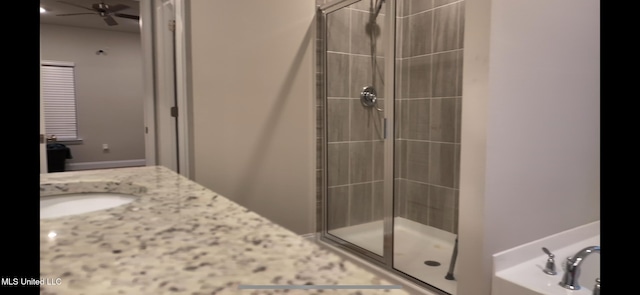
point(108, 90)
point(253, 105)
point(530, 127)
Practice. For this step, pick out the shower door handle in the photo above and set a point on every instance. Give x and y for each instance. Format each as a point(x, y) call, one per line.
point(384, 128)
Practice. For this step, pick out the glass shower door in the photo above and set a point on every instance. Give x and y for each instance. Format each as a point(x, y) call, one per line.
point(354, 126)
point(391, 96)
point(427, 141)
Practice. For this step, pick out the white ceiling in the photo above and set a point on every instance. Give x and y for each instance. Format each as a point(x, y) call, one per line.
point(93, 21)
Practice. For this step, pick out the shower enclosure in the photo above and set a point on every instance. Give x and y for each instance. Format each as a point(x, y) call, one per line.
point(389, 97)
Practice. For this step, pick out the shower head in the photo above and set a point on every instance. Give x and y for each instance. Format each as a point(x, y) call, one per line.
point(372, 28)
point(378, 8)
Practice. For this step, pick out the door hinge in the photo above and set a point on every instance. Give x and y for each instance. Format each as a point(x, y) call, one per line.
point(172, 25)
point(42, 138)
point(174, 112)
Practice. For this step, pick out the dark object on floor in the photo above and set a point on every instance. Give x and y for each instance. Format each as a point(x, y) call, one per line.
point(57, 154)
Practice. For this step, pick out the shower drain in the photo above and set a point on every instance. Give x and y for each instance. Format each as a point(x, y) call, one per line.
point(432, 263)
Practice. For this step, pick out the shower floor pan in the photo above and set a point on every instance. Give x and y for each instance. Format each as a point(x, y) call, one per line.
point(414, 244)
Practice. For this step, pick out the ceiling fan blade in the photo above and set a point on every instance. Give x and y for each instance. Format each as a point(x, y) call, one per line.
point(135, 17)
point(110, 21)
point(117, 7)
point(67, 14)
point(76, 5)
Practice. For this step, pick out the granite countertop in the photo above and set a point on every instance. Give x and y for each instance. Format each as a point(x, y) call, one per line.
point(178, 237)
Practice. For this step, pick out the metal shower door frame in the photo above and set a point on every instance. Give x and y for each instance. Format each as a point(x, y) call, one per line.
point(385, 261)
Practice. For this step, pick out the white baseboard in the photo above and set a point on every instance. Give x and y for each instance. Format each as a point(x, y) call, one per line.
point(104, 164)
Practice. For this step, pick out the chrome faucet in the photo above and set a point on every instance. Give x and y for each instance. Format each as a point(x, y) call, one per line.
point(572, 267)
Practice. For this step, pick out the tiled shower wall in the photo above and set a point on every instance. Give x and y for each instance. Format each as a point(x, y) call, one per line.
point(428, 99)
point(428, 94)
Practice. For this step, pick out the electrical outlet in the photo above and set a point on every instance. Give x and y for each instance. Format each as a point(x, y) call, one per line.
point(105, 146)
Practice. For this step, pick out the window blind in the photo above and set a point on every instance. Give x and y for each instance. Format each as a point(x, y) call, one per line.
point(59, 97)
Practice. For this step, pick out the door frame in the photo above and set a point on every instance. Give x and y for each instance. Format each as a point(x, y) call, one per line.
point(154, 123)
point(150, 95)
point(182, 89)
point(43, 140)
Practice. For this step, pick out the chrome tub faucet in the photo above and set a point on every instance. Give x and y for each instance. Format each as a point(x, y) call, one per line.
point(572, 267)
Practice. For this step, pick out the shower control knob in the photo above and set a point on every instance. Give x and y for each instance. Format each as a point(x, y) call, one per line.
point(550, 266)
point(368, 96)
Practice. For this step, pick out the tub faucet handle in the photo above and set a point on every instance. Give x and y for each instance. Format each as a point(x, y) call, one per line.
point(550, 266)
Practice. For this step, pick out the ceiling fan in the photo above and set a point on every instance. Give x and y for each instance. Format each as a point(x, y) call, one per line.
point(104, 10)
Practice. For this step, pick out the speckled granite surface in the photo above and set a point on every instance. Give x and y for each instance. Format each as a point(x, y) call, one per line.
point(178, 238)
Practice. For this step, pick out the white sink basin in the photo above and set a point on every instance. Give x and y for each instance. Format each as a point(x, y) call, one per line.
point(77, 203)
